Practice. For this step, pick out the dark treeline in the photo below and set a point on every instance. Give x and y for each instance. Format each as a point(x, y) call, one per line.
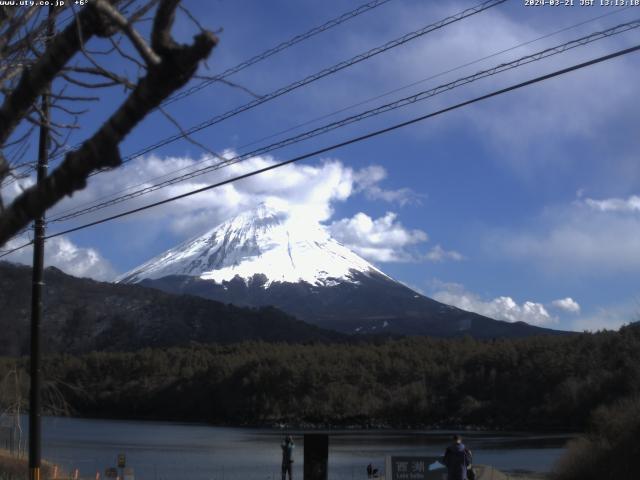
point(540, 382)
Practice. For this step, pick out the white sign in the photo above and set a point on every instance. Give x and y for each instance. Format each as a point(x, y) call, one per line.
point(412, 468)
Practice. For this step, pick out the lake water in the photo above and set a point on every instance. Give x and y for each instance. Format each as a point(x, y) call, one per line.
point(172, 451)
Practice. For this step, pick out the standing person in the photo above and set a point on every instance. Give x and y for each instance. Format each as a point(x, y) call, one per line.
point(287, 457)
point(456, 458)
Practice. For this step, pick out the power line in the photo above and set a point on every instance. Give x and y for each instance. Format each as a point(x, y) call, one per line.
point(253, 60)
point(367, 136)
point(432, 77)
point(321, 74)
point(13, 250)
point(317, 76)
point(334, 22)
point(420, 96)
point(278, 48)
point(363, 102)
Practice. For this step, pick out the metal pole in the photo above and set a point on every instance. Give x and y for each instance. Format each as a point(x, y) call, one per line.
point(36, 288)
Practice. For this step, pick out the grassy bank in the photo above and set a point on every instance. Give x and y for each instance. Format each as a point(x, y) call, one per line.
point(17, 468)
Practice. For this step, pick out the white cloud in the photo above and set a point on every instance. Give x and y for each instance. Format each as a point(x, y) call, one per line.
point(367, 180)
point(567, 304)
point(383, 239)
point(499, 308)
point(439, 254)
point(576, 239)
point(313, 189)
point(609, 317)
point(631, 204)
point(309, 191)
point(62, 253)
point(562, 111)
point(15, 188)
point(537, 112)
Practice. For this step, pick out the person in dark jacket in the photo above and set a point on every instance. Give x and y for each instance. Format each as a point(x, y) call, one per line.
point(287, 457)
point(456, 458)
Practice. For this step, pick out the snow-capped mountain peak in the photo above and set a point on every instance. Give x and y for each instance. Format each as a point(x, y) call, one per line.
point(265, 240)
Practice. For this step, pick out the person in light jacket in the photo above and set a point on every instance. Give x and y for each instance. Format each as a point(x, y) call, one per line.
point(456, 458)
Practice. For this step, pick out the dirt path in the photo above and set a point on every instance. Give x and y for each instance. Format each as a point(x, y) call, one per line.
point(487, 472)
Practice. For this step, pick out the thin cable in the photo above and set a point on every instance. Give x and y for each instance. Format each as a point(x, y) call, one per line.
point(13, 250)
point(432, 77)
point(364, 102)
point(549, 52)
point(334, 22)
point(323, 73)
point(353, 140)
point(278, 48)
point(316, 76)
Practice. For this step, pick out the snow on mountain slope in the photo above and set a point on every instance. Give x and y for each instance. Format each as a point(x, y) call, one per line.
point(261, 241)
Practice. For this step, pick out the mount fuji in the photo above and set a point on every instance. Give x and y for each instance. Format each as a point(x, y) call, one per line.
point(263, 241)
point(267, 257)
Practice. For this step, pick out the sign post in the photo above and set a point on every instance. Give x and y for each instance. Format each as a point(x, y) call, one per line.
point(316, 454)
point(122, 462)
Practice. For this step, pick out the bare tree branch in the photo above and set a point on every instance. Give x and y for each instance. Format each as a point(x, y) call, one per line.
point(62, 47)
point(116, 46)
point(80, 98)
point(229, 83)
point(101, 72)
point(161, 40)
point(188, 137)
point(68, 111)
point(80, 83)
point(178, 64)
point(192, 18)
point(20, 139)
point(142, 11)
point(4, 172)
point(61, 145)
point(141, 45)
point(105, 52)
point(18, 22)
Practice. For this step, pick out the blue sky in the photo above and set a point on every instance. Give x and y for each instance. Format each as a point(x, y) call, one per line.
point(522, 207)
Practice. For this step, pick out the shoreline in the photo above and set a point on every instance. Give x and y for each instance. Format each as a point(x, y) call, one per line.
point(518, 468)
point(337, 426)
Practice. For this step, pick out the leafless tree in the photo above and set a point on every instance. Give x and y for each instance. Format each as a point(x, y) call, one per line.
point(12, 404)
point(70, 60)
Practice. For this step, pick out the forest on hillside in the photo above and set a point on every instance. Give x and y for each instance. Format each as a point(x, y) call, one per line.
point(547, 382)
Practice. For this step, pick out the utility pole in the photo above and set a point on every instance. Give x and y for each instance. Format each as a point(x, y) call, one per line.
point(37, 284)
